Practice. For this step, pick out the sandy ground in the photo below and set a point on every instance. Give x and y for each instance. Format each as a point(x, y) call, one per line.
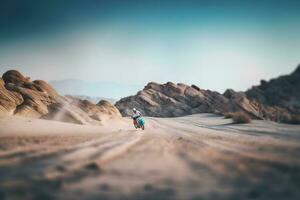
point(194, 157)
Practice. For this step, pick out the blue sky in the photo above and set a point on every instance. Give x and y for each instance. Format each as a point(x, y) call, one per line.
point(213, 44)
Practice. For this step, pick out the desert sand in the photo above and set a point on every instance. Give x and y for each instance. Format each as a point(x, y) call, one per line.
point(201, 156)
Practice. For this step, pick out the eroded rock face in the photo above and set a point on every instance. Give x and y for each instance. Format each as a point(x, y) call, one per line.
point(8, 99)
point(277, 100)
point(172, 100)
point(37, 99)
point(33, 97)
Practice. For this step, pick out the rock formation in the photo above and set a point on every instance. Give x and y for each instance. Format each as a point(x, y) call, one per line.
point(37, 99)
point(278, 100)
point(279, 97)
point(173, 100)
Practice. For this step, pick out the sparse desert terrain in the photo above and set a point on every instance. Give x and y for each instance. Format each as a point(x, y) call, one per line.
point(202, 156)
point(214, 86)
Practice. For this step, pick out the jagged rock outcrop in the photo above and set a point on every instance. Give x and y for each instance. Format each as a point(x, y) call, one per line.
point(172, 100)
point(277, 100)
point(37, 99)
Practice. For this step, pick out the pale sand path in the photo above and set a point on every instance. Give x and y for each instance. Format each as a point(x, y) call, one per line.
point(193, 157)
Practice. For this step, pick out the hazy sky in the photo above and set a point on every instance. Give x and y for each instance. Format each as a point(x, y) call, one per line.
point(213, 44)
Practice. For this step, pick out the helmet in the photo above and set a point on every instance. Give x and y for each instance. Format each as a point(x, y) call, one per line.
point(134, 109)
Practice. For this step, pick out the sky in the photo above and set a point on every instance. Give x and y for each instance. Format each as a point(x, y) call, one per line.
point(213, 44)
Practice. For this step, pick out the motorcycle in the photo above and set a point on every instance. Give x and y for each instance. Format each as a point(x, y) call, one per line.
point(139, 123)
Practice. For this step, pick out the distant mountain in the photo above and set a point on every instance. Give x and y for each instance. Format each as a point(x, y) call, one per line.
point(277, 100)
point(76, 87)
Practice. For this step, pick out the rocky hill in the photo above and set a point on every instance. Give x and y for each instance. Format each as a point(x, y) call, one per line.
point(280, 97)
point(278, 100)
point(37, 99)
point(173, 100)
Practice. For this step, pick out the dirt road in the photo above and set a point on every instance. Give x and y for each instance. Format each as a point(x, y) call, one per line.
point(194, 157)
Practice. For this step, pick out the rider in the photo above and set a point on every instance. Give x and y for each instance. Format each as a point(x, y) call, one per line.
point(136, 115)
